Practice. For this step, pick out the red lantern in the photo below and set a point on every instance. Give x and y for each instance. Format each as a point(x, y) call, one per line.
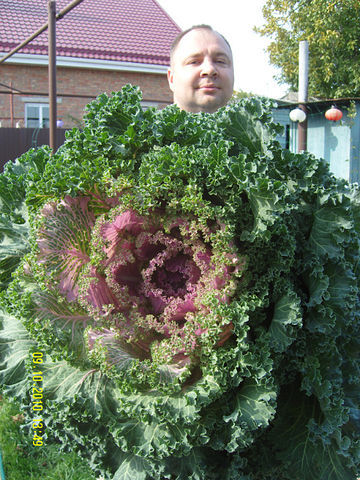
point(333, 114)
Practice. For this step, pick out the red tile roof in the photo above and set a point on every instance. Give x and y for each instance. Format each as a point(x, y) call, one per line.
point(138, 31)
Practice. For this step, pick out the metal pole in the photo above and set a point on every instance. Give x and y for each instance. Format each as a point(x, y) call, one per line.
point(302, 131)
point(11, 106)
point(303, 92)
point(52, 73)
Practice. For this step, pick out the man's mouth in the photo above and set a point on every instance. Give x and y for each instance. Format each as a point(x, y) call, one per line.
point(209, 88)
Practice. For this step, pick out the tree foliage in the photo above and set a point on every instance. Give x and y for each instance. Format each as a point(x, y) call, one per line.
point(332, 29)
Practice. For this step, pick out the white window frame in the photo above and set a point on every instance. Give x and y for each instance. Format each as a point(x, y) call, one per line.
point(41, 107)
point(145, 104)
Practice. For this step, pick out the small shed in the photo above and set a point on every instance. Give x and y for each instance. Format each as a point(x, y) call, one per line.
point(336, 142)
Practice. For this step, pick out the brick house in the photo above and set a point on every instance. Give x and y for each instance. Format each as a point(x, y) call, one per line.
point(101, 45)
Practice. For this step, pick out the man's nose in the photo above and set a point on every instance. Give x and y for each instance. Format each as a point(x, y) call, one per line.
point(208, 67)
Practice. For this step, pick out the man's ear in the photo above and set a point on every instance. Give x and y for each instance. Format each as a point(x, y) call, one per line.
point(170, 77)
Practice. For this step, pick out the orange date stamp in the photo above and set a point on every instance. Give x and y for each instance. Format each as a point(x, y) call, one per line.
point(37, 399)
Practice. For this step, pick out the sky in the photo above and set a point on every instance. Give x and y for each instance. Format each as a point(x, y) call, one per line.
point(235, 20)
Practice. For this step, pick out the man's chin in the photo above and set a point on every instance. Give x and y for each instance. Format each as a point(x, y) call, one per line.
point(206, 104)
point(210, 103)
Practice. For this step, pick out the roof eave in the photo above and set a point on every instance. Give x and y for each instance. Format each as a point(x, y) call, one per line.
point(92, 63)
point(321, 103)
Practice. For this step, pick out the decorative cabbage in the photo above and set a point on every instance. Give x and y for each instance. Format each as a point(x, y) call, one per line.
point(194, 291)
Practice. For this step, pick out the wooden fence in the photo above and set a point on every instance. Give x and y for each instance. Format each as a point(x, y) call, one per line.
point(16, 141)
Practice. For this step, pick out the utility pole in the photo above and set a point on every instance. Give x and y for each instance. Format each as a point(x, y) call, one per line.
point(52, 73)
point(303, 92)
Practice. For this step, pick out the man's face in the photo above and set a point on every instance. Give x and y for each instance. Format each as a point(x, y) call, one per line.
point(201, 74)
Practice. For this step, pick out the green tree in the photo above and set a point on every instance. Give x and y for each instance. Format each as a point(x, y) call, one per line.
point(332, 28)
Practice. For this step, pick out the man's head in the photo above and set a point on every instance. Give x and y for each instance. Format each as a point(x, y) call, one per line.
point(201, 73)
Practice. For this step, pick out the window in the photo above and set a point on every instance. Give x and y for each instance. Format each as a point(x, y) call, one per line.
point(287, 136)
point(36, 115)
point(145, 104)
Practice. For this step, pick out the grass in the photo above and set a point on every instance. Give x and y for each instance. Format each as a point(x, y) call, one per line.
point(23, 461)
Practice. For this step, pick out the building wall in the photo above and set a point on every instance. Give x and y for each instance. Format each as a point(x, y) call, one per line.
point(331, 141)
point(282, 116)
point(335, 142)
point(355, 147)
point(84, 82)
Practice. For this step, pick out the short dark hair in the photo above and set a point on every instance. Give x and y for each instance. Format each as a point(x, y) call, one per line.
point(182, 34)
